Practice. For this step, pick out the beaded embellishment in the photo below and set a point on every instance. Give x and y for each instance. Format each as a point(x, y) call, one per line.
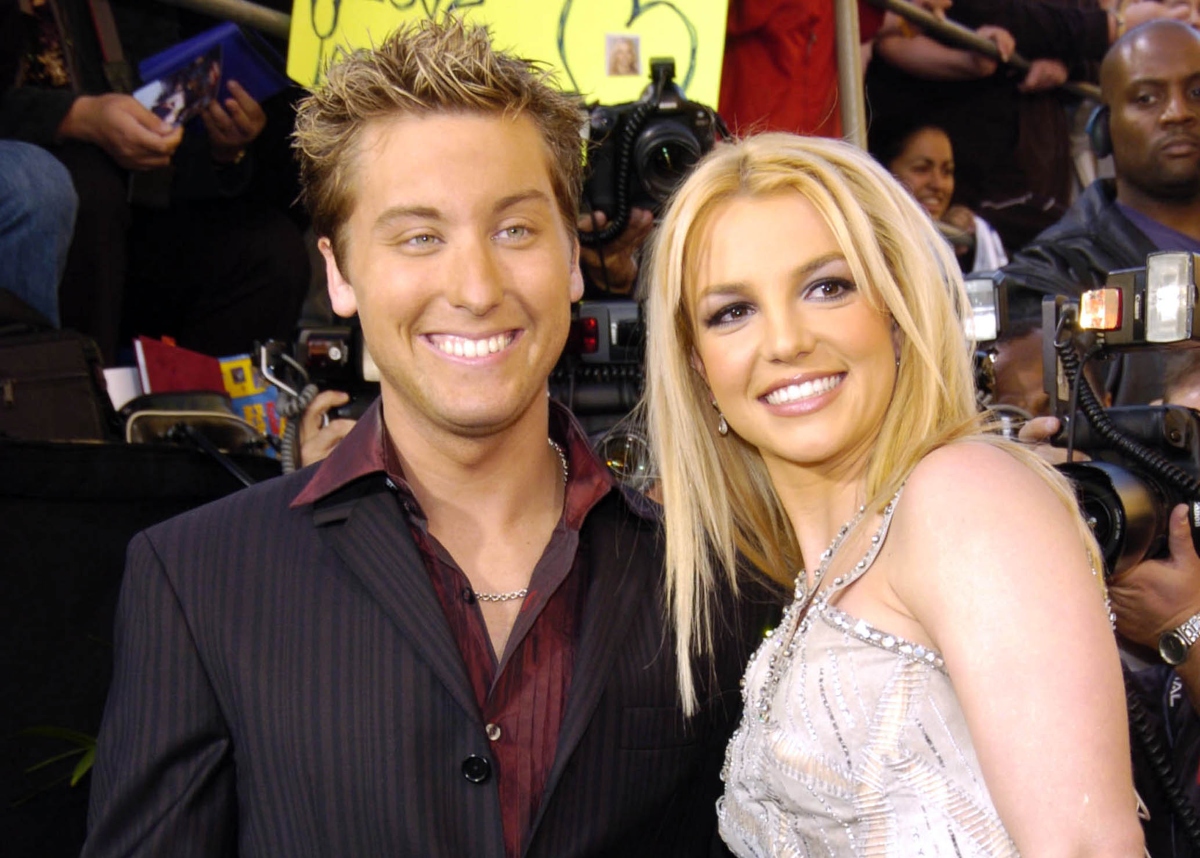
point(782, 641)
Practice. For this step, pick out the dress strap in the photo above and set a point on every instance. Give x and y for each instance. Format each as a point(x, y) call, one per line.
point(877, 539)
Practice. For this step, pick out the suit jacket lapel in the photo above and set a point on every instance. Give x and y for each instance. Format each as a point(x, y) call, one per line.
point(621, 585)
point(375, 543)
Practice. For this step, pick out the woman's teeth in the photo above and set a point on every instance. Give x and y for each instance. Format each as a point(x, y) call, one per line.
point(803, 390)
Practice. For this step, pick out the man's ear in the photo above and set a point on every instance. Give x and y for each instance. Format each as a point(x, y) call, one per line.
point(576, 275)
point(341, 293)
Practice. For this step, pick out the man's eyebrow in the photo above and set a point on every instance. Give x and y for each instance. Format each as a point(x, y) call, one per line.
point(402, 212)
point(531, 195)
point(396, 213)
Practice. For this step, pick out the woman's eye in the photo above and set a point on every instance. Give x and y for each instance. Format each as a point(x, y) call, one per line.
point(727, 315)
point(829, 290)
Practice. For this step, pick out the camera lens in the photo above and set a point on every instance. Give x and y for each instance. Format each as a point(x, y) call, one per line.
point(627, 453)
point(1127, 512)
point(664, 153)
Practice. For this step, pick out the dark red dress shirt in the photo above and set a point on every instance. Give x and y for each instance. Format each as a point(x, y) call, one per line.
point(522, 692)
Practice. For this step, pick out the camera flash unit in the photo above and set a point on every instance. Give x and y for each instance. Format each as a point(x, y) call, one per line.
point(1170, 296)
point(1100, 309)
point(987, 303)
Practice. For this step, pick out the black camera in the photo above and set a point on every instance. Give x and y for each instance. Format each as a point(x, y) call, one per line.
point(336, 358)
point(330, 357)
point(1126, 503)
point(639, 152)
point(600, 375)
point(1145, 460)
point(988, 322)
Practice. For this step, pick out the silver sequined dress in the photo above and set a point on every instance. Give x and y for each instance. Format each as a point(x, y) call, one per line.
point(857, 746)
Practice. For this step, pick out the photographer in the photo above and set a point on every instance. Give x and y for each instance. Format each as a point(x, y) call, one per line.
point(1150, 600)
point(611, 269)
point(319, 434)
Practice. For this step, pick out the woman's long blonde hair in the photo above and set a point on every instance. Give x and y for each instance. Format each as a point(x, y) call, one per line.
point(719, 502)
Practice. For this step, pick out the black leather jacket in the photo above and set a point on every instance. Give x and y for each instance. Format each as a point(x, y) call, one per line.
point(1092, 239)
point(1164, 726)
point(1075, 254)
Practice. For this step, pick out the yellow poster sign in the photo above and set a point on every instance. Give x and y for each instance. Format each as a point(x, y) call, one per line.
point(600, 48)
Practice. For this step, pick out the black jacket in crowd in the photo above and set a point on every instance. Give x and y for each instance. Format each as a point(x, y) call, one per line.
point(1092, 239)
point(1165, 734)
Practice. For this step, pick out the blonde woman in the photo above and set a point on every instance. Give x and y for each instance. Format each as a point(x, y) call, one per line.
point(946, 682)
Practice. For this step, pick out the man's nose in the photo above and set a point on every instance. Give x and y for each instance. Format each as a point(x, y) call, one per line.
point(1179, 107)
point(478, 281)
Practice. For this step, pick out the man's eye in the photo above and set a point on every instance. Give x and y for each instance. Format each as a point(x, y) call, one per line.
point(514, 233)
point(422, 240)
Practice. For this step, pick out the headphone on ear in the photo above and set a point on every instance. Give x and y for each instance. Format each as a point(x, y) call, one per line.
point(1098, 133)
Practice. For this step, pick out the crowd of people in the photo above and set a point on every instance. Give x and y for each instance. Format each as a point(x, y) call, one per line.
point(456, 633)
point(125, 223)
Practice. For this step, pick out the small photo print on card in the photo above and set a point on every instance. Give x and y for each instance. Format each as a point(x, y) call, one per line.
point(623, 54)
point(177, 97)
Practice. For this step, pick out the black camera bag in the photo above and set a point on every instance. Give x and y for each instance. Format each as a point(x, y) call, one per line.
point(51, 382)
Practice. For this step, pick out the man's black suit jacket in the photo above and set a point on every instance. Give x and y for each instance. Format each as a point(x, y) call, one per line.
point(286, 684)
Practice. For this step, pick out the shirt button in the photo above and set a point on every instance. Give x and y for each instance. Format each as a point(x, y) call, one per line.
point(468, 596)
point(493, 732)
point(476, 769)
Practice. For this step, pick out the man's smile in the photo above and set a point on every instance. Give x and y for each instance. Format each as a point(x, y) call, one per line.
point(472, 347)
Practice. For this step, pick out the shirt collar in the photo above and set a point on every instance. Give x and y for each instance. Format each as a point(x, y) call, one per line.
point(1160, 235)
point(368, 450)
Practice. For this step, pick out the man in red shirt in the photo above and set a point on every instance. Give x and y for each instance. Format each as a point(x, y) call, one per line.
point(780, 66)
point(448, 638)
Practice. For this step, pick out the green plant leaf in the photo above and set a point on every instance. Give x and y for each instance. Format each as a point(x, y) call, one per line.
point(83, 766)
point(56, 758)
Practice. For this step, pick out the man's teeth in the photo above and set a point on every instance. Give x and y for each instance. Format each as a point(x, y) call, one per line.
point(804, 390)
point(461, 347)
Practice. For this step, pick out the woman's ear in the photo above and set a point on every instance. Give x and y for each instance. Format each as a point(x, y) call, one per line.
point(698, 365)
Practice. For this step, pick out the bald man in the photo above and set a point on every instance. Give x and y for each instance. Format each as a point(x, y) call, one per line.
point(1150, 121)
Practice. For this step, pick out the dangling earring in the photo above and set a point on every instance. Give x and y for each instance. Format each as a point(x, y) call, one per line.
point(722, 426)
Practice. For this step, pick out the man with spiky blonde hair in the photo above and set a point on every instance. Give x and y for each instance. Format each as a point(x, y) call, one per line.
point(449, 637)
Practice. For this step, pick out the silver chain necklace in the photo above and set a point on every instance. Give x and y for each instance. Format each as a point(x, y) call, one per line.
point(524, 591)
